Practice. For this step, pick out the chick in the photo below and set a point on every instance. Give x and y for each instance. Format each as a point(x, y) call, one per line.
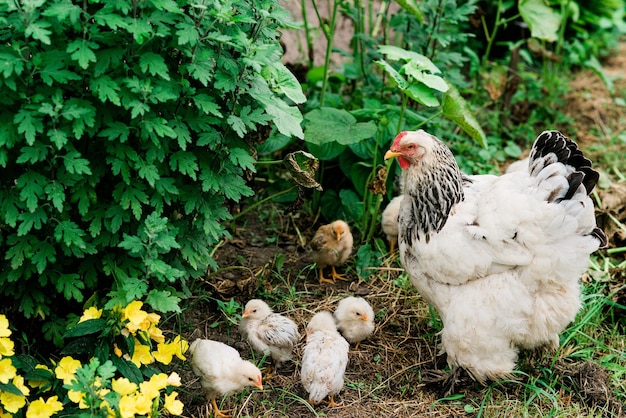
point(389, 221)
point(355, 319)
point(268, 332)
point(324, 359)
point(332, 245)
point(221, 370)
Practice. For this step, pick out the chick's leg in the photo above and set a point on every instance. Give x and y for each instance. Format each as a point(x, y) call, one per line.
point(219, 413)
point(269, 372)
point(324, 279)
point(337, 276)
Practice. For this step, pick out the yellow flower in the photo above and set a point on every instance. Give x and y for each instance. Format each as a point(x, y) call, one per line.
point(152, 387)
point(44, 409)
point(4, 326)
point(173, 405)
point(6, 347)
point(7, 371)
point(40, 384)
point(173, 379)
point(127, 406)
point(12, 402)
point(143, 404)
point(183, 346)
point(117, 350)
point(123, 386)
point(135, 404)
point(142, 355)
point(91, 313)
point(156, 334)
point(165, 352)
point(154, 318)
point(66, 369)
point(78, 397)
point(137, 318)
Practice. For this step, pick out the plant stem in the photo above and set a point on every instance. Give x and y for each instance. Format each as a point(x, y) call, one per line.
point(307, 35)
point(330, 34)
point(260, 202)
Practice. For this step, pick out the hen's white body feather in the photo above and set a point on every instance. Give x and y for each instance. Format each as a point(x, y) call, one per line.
point(503, 270)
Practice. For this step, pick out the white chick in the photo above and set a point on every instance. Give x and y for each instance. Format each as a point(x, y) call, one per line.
point(389, 221)
point(221, 370)
point(355, 319)
point(332, 245)
point(268, 332)
point(324, 359)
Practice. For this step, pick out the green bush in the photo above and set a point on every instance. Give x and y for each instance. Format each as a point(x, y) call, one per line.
point(127, 126)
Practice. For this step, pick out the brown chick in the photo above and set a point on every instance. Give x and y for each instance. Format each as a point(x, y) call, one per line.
point(221, 371)
point(332, 245)
point(389, 221)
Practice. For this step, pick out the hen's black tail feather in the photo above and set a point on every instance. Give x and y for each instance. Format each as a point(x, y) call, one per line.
point(566, 152)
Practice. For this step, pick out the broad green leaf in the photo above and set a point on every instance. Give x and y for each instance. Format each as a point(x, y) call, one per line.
point(395, 75)
point(131, 197)
point(133, 244)
point(287, 119)
point(167, 5)
point(147, 171)
point(335, 125)
point(181, 133)
point(456, 109)
point(10, 63)
point(237, 124)
point(116, 130)
point(543, 21)
point(56, 71)
point(111, 20)
point(87, 327)
point(422, 94)
point(433, 81)
point(285, 81)
point(80, 50)
point(326, 151)
point(38, 152)
point(58, 137)
point(395, 53)
point(153, 64)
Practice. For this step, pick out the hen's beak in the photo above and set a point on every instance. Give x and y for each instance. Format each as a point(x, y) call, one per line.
point(392, 154)
point(259, 383)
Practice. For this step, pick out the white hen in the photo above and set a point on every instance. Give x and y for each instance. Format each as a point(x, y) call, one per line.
point(498, 257)
point(389, 221)
point(221, 370)
point(355, 319)
point(324, 359)
point(268, 332)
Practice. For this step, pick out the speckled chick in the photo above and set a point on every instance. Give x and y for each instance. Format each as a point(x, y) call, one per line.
point(324, 359)
point(355, 319)
point(221, 370)
point(268, 332)
point(332, 245)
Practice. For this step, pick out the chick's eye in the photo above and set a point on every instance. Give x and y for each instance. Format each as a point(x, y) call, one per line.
point(250, 379)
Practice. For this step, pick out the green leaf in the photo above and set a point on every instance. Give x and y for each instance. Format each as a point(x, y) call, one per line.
point(412, 7)
point(185, 162)
point(56, 71)
point(80, 50)
point(287, 119)
point(154, 64)
point(37, 30)
point(10, 63)
point(163, 301)
point(242, 158)
point(543, 21)
point(106, 89)
point(395, 53)
point(71, 286)
point(116, 130)
point(38, 152)
point(456, 109)
point(35, 220)
point(395, 75)
point(58, 137)
point(44, 254)
point(28, 124)
point(422, 94)
point(133, 244)
point(74, 164)
point(56, 194)
point(31, 185)
point(207, 104)
point(87, 327)
point(148, 171)
point(285, 81)
point(131, 197)
point(62, 10)
point(187, 33)
point(70, 234)
point(336, 125)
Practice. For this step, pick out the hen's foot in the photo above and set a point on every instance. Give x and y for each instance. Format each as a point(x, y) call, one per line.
point(332, 403)
point(446, 384)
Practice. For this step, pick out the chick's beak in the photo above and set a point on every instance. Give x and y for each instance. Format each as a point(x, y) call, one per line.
point(245, 314)
point(259, 382)
point(392, 154)
point(363, 317)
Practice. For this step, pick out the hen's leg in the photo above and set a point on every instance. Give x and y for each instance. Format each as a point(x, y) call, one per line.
point(392, 245)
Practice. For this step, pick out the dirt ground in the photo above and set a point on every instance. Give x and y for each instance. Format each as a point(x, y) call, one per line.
point(269, 257)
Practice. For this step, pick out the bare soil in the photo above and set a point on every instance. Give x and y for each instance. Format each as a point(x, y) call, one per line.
point(268, 257)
